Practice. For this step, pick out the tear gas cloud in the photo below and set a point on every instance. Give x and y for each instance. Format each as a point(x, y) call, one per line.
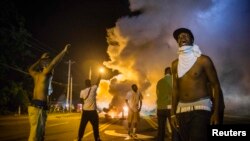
point(141, 46)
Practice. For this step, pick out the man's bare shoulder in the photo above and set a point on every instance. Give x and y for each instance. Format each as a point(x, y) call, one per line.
point(205, 59)
point(203, 56)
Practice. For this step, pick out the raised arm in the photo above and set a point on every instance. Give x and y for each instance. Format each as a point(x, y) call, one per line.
point(57, 59)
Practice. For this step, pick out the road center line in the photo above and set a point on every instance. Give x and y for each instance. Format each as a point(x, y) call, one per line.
point(151, 122)
point(51, 125)
point(101, 128)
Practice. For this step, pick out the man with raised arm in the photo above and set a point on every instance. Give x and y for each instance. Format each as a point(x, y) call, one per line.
point(41, 72)
point(89, 112)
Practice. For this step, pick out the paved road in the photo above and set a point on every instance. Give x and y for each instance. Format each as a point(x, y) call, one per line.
point(64, 127)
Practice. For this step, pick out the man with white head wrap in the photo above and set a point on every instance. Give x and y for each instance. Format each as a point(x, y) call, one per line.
point(194, 75)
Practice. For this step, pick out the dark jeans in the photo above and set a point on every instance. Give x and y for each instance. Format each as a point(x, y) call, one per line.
point(192, 126)
point(162, 115)
point(91, 116)
point(221, 116)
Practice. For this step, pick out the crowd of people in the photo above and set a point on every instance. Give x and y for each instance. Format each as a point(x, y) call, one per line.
point(189, 96)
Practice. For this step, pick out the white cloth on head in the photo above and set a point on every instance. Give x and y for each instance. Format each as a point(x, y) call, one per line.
point(187, 57)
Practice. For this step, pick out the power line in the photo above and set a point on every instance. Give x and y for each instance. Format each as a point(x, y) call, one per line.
point(37, 46)
point(42, 47)
point(48, 48)
point(32, 46)
point(14, 68)
point(24, 72)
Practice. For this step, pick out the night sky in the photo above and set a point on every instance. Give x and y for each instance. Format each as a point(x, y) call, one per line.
point(82, 23)
point(140, 43)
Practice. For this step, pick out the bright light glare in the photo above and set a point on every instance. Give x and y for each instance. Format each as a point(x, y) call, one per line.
point(112, 114)
point(67, 105)
point(125, 108)
point(101, 70)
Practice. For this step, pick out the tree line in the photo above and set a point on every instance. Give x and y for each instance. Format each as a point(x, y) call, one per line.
point(15, 56)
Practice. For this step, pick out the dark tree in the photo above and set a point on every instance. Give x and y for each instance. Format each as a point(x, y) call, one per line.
point(15, 55)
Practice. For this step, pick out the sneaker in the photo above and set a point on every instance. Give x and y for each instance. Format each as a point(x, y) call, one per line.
point(129, 133)
point(134, 135)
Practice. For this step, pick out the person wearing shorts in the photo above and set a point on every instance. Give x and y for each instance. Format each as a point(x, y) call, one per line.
point(134, 103)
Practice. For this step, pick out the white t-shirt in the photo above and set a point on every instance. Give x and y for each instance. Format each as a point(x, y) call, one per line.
point(90, 102)
point(133, 99)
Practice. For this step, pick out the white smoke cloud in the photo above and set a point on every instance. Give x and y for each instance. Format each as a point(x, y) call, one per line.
point(140, 47)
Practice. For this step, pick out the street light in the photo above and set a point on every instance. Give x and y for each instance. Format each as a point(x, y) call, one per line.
point(101, 70)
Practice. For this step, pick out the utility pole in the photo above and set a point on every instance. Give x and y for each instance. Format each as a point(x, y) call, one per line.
point(70, 97)
point(69, 83)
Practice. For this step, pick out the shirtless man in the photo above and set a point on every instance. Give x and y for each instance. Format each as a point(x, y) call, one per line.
point(41, 72)
point(193, 75)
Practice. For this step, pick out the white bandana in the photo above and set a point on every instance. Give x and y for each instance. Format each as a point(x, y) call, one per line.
point(187, 57)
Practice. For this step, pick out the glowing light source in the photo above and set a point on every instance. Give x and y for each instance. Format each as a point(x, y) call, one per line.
point(101, 70)
point(112, 114)
point(125, 111)
point(125, 108)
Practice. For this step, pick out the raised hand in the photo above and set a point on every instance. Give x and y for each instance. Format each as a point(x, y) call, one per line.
point(67, 47)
